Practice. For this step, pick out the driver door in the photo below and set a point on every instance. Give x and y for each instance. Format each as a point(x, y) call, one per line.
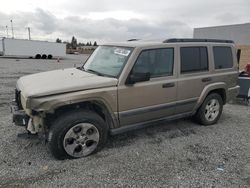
point(152, 99)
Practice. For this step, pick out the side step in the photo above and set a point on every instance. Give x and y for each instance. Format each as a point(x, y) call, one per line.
point(137, 126)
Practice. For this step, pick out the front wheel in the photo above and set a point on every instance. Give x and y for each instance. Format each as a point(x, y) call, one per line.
point(210, 111)
point(77, 134)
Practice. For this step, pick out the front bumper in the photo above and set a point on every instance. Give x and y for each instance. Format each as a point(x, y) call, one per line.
point(19, 117)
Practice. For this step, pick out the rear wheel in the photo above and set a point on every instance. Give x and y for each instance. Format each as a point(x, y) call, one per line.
point(77, 134)
point(50, 56)
point(44, 56)
point(38, 56)
point(211, 109)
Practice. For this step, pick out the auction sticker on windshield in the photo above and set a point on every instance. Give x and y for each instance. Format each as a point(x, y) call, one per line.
point(121, 51)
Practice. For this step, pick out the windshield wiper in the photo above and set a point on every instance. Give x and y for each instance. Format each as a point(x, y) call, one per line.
point(98, 73)
point(80, 68)
point(95, 72)
point(89, 70)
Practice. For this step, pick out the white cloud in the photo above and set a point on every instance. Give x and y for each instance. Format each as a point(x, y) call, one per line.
point(119, 15)
point(112, 20)
point(45, 25)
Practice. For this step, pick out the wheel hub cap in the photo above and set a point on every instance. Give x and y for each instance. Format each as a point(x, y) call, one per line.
point(212, 110)
point(81, 140)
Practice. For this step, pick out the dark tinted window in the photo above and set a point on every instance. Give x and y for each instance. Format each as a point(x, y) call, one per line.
point(159, 62)
point(222, 57)
point(194, 59)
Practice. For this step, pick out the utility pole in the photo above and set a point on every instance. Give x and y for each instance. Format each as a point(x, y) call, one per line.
point(12, 28)
point(7, 31)
point(29, 33)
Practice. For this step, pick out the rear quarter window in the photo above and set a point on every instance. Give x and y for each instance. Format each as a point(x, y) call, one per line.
point(223, 57)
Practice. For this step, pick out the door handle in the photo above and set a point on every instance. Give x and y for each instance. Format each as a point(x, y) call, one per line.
point(206, 79)
point(168, 85)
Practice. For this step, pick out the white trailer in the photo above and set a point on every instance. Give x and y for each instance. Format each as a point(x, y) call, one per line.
point(1, 47)
point(31, 48)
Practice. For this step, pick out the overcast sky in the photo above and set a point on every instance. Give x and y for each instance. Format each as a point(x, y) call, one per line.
point(114, 20)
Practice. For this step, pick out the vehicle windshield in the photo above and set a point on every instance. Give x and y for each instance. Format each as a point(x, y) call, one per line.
point(107, 60)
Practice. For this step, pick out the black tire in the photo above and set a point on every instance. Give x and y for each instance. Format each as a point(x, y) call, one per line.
point(68, 120)
point(44, 56)
point(200, 114)
point(50, 56)
point(38, 56)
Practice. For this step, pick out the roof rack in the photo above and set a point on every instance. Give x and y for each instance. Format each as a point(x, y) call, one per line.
point(174, 40)
point(131, 40)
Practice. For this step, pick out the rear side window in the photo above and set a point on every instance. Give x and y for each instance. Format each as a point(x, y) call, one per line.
point(159, 62)
point(223, 57)
point(194, 59)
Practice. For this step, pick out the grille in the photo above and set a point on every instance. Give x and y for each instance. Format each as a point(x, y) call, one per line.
point(18, 99)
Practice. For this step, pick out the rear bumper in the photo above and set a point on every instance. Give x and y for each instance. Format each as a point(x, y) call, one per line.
point(18, 116)
point(244, 83)
point(233, 92)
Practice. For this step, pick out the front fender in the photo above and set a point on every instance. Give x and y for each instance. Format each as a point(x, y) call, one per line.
point(48, 104)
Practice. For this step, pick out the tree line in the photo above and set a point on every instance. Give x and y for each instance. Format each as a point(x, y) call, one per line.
point(74, 44)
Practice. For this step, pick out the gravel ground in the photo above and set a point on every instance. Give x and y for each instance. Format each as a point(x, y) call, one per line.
point(174, 154)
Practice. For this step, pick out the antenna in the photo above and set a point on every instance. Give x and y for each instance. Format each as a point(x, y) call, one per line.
point(7, 31)
point(12, 28)
point(29, 32)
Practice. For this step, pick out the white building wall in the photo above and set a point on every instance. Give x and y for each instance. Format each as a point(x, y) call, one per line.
point(239, 33)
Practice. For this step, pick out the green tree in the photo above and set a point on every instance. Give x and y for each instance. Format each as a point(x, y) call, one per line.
point(73, 42)
point(58, 40)
point(81, 44)
point(68, 45)
point(95, 43)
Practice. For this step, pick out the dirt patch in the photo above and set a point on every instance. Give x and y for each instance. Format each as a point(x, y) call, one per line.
point(198, 149)
point(180, 133)
point(15, 182)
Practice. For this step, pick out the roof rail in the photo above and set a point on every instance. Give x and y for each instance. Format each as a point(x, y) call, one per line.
point(131, 40)
point(174, 40)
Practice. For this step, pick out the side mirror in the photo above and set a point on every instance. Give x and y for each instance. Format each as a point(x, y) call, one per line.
point(138, 77)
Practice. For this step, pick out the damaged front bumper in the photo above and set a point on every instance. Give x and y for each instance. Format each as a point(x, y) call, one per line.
point(33, 124)
point(19, 117)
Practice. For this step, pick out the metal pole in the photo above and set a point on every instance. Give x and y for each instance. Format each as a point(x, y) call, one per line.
point(7, 31)
point(29, 33)
point(12, 28)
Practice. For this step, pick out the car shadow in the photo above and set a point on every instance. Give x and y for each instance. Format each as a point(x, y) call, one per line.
point(155, 133)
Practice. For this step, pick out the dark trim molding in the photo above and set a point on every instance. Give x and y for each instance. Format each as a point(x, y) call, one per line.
point(147, 123)
point(143, 110)
point(186, 101)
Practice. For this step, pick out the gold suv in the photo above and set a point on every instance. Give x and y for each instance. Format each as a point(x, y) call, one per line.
point(126, 86)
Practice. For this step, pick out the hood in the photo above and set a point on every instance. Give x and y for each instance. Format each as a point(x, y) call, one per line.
point(61, 81)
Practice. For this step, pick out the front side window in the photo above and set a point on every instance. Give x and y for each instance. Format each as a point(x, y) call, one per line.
point(223, 57)
point(194, 59)
point(108, 60)
point(158, 62)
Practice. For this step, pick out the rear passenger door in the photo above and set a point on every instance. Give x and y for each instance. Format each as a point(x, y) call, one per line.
point(193, 76)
